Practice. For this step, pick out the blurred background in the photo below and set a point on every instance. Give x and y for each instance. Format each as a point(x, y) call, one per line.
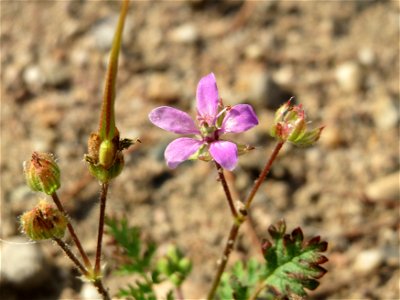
point(340, 59)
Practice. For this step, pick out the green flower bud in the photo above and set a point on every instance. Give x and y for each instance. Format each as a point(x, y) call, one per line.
point(43, 222)
point(105, 159)
point(103, 174)
point(42, 173)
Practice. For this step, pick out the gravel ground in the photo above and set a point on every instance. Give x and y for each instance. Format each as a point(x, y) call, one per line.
point(340, 59)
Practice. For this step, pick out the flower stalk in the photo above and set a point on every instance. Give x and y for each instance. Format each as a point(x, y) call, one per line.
point(104, 158)
point(71, 230)
point(225, 186)
point(103, 199)
point(238, 221)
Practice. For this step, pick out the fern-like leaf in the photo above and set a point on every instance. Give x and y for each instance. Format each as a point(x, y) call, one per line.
point(292, 265)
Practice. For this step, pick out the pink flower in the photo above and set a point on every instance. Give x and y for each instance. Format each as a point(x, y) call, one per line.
point(213, 120)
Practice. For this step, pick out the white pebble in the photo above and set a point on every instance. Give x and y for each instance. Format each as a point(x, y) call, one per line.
point(349, 76)
point(368, 260)
point(89, 292)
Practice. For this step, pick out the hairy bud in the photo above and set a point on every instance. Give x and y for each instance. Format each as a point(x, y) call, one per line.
point(42, 173)
point(43, 222)
point(290, 124)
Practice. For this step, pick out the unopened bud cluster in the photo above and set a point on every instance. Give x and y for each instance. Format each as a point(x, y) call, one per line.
point(290, 124)
point(43, 222)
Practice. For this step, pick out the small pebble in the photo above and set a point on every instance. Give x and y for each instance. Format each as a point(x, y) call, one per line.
point(184, 34)
point(331, 137)
point(386, 188)
point(349, 76)
point(103, 32)
point(23, 263)
point(257, 85)
point(366, 56)
point(367, 261)
point(384, 112)
point(33, 77)
point(162, 88)
point(89, 292)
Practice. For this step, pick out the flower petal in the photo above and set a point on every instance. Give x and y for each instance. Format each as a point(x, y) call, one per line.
point(180, 150)
point(172, 119)
point(225, 153)
point(207, 98)
point(239, 118)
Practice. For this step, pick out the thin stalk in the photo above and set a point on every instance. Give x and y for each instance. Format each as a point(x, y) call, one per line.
point(263, 174)
point(260, 286)
point(179, 293)
point(100, 288)
point(72, 232)
point(71, 255)
point(233, 234)
point(103, 199)
point(224, 259)
point(225, 186)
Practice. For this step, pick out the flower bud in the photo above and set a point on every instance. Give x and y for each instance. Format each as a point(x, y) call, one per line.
point(105, 159)
point(42, 173)
point(290, 124)
point(43, 222)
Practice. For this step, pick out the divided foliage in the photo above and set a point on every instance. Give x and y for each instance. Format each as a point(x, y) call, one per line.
point(139, 259)
point(291, 266)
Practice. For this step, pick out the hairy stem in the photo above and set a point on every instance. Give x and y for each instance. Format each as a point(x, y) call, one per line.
point(72, 232)
point(71, 255)
point(226, 190)
point(233, 234)
point(103, 199)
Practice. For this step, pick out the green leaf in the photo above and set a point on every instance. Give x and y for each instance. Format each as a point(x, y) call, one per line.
point(141, 291)
point(240, 284)
point(174, 266)
point(292, 265)
point(128, 238)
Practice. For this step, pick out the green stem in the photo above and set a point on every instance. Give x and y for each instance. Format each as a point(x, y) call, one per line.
point(238, 221)
point(103, 199)
point(72, 232)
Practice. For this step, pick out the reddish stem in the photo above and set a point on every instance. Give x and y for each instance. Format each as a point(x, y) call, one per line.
point(72, 232)
point(233, 234)
point(103, 199)
point(226, 190)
